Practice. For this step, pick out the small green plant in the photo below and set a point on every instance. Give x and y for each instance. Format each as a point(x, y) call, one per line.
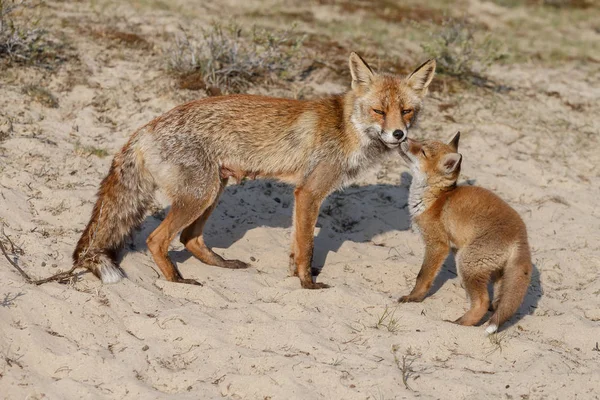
point(232, 59)
point(458, 52)
point(90, 150)
point(336, 362)
point(388, 320)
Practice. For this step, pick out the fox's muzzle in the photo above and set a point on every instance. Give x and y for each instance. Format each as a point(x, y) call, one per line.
point(399, 134)
point(393, 139)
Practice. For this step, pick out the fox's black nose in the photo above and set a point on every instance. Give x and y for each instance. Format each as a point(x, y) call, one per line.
point(399, 134)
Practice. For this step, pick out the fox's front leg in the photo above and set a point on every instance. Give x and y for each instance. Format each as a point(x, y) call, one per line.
point(306, 212)
point(435, 254)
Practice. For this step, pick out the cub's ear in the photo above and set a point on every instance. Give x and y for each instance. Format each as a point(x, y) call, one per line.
point(362, 74)
point(454, 142)
point(451, 162)
point(421, 77)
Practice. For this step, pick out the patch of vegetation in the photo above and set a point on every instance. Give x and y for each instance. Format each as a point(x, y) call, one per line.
point(459, 53)
point(388, 320)
point(232, 59)
point(22, 40)
point(581, 4)
point(388, 10)
point(6, 127)
point(127, 39)
point(405, 364)
point(287, 15)
point(41, 95)
point(90, 150)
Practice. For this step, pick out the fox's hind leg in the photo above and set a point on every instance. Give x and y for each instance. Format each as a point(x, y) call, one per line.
point(191, 237)
point(475, 275)
point(476, 287)
point(183, 212)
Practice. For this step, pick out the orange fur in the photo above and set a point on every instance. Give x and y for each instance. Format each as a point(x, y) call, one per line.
point(191, 151)
point(489, 236)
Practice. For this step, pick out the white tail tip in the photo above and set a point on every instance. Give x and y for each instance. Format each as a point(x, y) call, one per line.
point(492, 328)
point(110, 273)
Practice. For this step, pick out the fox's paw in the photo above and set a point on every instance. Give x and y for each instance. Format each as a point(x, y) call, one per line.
point(410, 299)
point(235, 264)
point(189, 281)
point(314, 285)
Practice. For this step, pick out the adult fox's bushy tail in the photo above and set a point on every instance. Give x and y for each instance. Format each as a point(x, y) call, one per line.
point(123, 198)
point(512, 289)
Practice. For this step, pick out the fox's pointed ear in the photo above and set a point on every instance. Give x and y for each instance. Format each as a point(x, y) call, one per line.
point(362, 74)
point(451, 162)
point(421, 77)
point(454, 142)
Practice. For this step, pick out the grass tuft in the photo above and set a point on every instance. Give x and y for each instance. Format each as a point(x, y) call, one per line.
point(90, 151)
point(41, 95)
point(232, 59)
point(388, 320)
point(22, 40)
point(459, 53)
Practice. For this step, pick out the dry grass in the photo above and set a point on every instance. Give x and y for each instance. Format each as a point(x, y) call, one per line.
point(576, 4)
point(41, 95)
point(6, 127)
point(127, 39)
point(232, 59)
point(388, 320)
point(405, 363)
point(459, 52)
point(388, 10)
point(22, 39)
point(18, 40)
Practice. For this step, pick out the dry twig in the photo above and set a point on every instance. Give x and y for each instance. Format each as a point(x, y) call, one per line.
point(59, 277)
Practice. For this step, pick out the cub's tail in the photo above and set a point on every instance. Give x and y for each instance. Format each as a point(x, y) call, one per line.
point(513, 288)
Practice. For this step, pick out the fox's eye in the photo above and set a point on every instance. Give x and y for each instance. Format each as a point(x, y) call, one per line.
point(406, 112)
point(378, 112)
point(423, 152)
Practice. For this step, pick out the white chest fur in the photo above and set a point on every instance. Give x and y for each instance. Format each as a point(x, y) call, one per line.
point(416, 203)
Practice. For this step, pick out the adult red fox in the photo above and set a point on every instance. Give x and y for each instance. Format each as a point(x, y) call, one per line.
point(189, 153)
point(489, 236)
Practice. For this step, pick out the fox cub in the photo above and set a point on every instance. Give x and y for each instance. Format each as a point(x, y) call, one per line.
point(489, 236)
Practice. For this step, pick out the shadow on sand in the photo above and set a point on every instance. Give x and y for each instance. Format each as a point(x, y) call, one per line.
point(534, 292)
point(357, 213)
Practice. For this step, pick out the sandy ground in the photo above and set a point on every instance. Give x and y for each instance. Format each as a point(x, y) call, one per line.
point(254, 334)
